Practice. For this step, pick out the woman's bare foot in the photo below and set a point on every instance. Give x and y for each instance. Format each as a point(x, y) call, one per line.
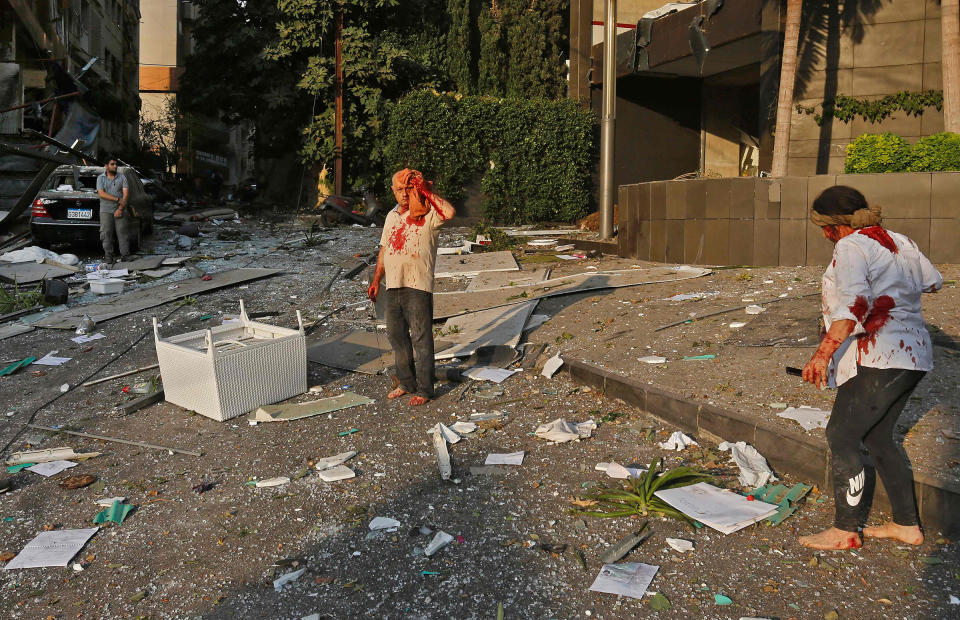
point(832, 538)
point(910, 534)
point(397, 393)
point(418, 400)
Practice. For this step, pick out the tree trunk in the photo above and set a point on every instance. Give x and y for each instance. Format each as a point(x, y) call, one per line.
point(788, 75)
point(950, 63)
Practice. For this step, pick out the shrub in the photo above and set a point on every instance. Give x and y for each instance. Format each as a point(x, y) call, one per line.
point(885, 152)
point(533, 157)
point(936, 153)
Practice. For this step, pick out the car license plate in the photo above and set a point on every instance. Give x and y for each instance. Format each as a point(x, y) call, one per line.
point(79, 214)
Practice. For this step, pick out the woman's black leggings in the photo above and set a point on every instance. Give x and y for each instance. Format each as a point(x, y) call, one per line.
point(866, 409)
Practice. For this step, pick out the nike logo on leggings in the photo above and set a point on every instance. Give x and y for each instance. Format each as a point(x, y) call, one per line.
point(855, 492)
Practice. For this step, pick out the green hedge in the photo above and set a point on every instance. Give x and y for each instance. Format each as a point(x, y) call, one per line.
point(533, 157)
point(888, 152)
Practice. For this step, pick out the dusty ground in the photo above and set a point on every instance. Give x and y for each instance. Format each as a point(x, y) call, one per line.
point(183, 554)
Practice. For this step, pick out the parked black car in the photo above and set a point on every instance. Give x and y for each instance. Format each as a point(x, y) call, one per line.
point(67, 210)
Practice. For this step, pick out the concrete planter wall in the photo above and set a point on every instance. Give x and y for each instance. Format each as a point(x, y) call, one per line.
point(763, 221)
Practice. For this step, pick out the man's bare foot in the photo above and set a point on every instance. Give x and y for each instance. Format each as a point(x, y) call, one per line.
point(832, 538)
point(910, 534)
point(397, 393)
point(418, 400)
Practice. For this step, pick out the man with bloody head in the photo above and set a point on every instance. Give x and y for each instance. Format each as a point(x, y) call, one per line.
point(408, 254)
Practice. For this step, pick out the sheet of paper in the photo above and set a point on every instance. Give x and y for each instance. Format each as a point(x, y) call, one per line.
point(566, 257)
point(50, 359)
point(84, 339)
point(627, 579)
point(486, 373)
point(551, 366)
point(52, 548)
point(512, 458)
point(52, 468)
point(724, 511)
point(807, 417)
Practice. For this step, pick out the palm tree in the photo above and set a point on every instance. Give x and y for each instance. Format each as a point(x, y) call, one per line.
point(788, 75)
point(950, 63)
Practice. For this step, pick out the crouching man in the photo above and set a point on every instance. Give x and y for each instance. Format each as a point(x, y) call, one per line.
point(408, 254)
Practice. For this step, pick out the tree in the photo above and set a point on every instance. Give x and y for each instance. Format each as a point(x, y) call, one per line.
point(788, 74)
point(389, 48)
point(950, 63)
point(158, 133)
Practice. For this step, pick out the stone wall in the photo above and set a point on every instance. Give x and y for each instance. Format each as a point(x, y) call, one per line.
point(895, 48)
point(763, 221)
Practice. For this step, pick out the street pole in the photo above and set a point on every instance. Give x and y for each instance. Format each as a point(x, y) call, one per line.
point(338, 120)
point(608, 119)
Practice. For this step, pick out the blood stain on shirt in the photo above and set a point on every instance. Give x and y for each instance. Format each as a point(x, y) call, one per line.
point(874, 322)
point(880, 235)
point(398, 238)
point(859, 308)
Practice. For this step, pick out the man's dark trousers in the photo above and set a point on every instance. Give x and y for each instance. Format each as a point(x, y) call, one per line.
point(409, 315)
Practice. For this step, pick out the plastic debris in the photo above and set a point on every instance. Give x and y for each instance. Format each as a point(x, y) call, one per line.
point(786, 498)
point(754, 309)
point(954, 600)
point(511, 458)
point(338, 472)
point(693, 358)
point(349, 432)
point(807, 417)
point(441, 540)
point(464, 427)
point(106, 502)
point(116, 513)
point(551, 367)
point(680, 544)
point(722, 510)
point(283, 580)
point(720, 599)
point(623, 546)
point(383, 523)
point(272, 482)
point(677, 441)
point(445, 432)
point(333, 461)
point(561, 431)
point(443, 456)
point(652, 359)
point(14, 367)
point(736, 324)
point(616, 470)
point(754, 471)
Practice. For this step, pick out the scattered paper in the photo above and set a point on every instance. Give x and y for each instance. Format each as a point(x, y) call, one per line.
point(85, 339)
point(383, 523)
point(627, 579)
point(443, 456)
point(441, 540)
point(677, 441)
point(754, 309)
point(338, 472)
point(333, 461)
point(754, 471)
point(724, 511)
point(567, 257)
point(445, 431)
point(54, 548)
point(737, 324)
point(511, 458)
point(273, 482)
point(108, 501)
point(652, 359)
point(954, 600)
point(807, 417)
point(51, 359)
point(289, 578)
point(464, 428)
point(680, 544)
point(551, 367)
point(616, 470)
point(561, 431)
point(51, 468)
point(486, 373)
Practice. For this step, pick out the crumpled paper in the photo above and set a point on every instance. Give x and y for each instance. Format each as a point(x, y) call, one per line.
point(677, 441)
point(560, 431)
point(754, 471)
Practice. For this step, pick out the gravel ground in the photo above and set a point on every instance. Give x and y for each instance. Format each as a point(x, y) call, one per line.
point(184, 554)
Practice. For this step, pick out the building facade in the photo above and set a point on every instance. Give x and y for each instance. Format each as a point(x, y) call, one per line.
point(199, 147)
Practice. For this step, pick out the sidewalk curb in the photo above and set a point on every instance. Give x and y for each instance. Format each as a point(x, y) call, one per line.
point(787, 451)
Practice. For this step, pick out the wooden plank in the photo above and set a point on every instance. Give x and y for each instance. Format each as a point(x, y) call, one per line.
point(450, 265)
point(149, 297)
point(14, 329)
point(28, 273)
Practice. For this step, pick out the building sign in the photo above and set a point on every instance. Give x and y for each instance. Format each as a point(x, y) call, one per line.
point(210, 158)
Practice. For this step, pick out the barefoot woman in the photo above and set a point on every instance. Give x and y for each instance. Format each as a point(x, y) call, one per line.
point(876, 350)
point(408, 254)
